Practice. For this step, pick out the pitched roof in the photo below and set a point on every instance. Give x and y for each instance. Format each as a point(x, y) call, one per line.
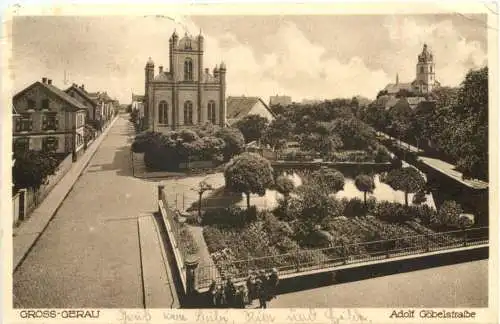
point(239, 107)
point(414, 101)
point(74, 104)
point(82, 93)
point(395, 87)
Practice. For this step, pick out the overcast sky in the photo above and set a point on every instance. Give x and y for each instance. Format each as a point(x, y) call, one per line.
point(301, 56)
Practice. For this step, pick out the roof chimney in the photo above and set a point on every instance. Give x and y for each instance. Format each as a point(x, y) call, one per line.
point(49, 81)
point(160, 68)
point(44, 80)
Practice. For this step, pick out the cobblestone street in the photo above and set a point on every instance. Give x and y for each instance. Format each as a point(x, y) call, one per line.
point(88, 255)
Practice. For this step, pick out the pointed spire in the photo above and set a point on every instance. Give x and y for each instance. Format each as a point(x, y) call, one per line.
point(397, 78)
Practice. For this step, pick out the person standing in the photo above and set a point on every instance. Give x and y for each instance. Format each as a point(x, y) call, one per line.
point(240, 298)
point(251, 287)
point(212, 293)
point(273, 283)
point(229, 291)
point(262, 292)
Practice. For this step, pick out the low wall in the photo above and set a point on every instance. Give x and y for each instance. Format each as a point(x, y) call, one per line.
point(179, 260)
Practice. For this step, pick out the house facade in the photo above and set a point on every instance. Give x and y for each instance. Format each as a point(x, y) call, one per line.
point(187, 94)
point(48, 119)
point(240, 107)
point(79, 93)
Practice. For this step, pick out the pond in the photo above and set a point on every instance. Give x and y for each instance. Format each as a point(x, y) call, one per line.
point(221, 198)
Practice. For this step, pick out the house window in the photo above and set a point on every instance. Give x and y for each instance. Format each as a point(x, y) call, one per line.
point(24, 123)
point(421, 69)
point(31, 104)
point(21, 145)
point(163, 112)
point(188, 70)
point(45, 104)
point(50, 144)
point(211, 112)
point(50, 121)
point(188, 113)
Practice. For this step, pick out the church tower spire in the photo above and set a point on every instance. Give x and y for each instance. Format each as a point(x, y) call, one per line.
point(426, 78)
point(397, 78)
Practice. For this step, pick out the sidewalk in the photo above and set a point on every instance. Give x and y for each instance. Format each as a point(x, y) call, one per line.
point(26, 235)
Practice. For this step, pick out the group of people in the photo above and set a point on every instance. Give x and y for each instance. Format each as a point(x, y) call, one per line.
point(259, 285)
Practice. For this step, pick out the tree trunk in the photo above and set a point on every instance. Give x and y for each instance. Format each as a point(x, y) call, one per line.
point(199, 205)
point(365, 198)
point(406, 198)
point(248, 201)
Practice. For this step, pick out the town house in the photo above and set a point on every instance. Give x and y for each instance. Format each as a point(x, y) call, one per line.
point(48, 119)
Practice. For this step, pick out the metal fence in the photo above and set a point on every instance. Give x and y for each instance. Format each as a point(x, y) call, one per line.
point(330, 257)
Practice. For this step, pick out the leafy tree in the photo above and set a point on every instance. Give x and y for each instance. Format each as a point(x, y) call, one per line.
point(365, 184)
point(32, 169)
point(354, 133)
point(284, 186)
point(406, 179)
point(279, 130)
point(449, 213)
point(326, 145)
point(248, 173)
point(331, 180)
point(314, 206)
point(234, 141)
point(252, 127)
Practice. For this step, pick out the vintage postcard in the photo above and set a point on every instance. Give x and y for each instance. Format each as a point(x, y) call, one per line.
point(250, 163)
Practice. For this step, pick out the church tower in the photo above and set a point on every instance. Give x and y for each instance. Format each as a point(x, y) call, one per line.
point(426, 73)
point(148, 78)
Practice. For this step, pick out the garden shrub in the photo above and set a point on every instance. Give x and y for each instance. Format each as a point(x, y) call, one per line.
point(231, 216)
point(187, 241)
point(355, 207)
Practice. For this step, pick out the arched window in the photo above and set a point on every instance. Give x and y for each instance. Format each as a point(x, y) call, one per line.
point(431, 68)
point(188, 44)
point(188, 70)
point(211, 112)
point(188, 113)
point(163, 112)
point(421, 69)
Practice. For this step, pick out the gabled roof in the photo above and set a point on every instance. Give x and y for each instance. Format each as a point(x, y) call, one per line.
point(82, 93)
point(239, 107)
point(395, 87)
point(74, 104)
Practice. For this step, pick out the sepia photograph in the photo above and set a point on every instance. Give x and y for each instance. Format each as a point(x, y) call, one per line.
point(260, 160)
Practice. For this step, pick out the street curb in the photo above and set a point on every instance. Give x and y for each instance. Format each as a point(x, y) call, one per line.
point(97, 144)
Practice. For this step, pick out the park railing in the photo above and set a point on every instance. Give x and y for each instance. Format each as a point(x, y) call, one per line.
point(334, 256)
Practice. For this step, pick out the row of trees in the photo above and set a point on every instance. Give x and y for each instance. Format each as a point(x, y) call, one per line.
point(454, 123)
point(323, 128)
